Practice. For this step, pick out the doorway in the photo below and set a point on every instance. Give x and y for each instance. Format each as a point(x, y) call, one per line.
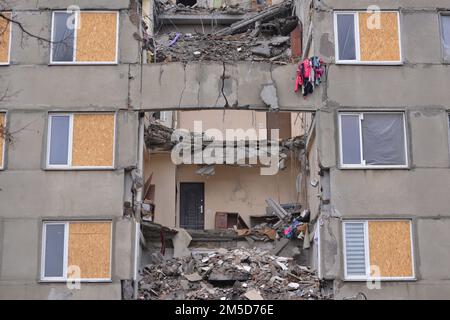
point(192, 202)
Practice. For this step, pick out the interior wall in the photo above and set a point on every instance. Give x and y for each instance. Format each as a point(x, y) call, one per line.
point(163, 170)
point(241, 189)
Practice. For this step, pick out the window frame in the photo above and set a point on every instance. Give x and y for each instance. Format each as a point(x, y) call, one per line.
point(69, 166)
point(74, 62)
point(367, 276)
point(363, 164)
point(3, 151)
point(10, 41)
point(64, 278)
point(441, 33)
point(358, 61)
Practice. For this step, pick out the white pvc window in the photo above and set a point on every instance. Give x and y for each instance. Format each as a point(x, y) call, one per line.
point(59, 143)
point(55, 253)
point(7, 28)
point(445, 32)
point(357, 256)
point(60, 134)
point(64, 35)
point(372, 140)
point(348, 39)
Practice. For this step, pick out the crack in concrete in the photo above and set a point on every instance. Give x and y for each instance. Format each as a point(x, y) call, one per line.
point(184, 87)
point(227, 105)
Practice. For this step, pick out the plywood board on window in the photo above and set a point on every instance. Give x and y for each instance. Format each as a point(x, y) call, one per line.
point(390, 248)
point(379, 43)
point(2, 137)
point(90, 249)
point(5, 35)
point(97, 37)
point(93, 140)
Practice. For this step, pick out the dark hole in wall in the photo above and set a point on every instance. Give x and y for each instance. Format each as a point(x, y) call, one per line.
point(189, 3)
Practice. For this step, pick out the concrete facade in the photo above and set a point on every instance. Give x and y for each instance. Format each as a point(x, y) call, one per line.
point(418, 192)
point(30, 193)
point(418, 87)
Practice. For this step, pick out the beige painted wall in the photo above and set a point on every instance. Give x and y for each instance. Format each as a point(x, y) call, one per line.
point(242, 190)
point(234, 119)
point(164, 180)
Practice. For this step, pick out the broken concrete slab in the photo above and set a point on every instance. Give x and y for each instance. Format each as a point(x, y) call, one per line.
point(269, 96)
point(279, 245)
point(181, 243)
point(193, 277)
point(253, 295)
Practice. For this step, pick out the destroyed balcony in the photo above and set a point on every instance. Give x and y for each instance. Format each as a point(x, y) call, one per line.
point(237, 57)
point(227, 33)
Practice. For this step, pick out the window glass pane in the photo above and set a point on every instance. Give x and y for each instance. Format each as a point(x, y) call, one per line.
point(346, 36)
point(383, 139)
point(63, 37)
point(351, 146)
point(59, 139)
point(54, 250)
point(446, 37)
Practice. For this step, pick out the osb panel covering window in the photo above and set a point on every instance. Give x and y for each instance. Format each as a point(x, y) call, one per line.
point(390, 247)
point(93, 140)
point(90, 249)
point(2, 138)
point(4, 37)
point(97, 37)
point(380, 44)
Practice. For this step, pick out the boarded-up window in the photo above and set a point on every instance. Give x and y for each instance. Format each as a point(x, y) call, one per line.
point(76, 250)
point(445, 25)
point(367, 37)
point(85, 37)
point(81, 140)
point(93, 140)
point(5, 38)
point(378, 248)
point(90, 249)
point(2, 138)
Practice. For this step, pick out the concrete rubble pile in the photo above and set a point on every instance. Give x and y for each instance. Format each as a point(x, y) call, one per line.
point(260, 36)
point(223, 274)
point(167, 7)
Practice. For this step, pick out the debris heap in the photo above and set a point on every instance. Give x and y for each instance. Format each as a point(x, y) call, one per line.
point(257, 36)
point(223, 274)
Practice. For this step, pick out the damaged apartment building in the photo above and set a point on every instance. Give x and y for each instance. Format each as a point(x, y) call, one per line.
point(95, 96)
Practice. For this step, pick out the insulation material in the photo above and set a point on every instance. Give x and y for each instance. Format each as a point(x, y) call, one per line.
point(97, 37)
point(379, 44)
point(93, 140)
point(2, 138)
point(5, 34)
point(90, 249)
point(390, 247)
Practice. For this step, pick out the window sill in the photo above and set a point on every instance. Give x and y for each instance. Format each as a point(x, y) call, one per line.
point(343, 167)
point(76, 280)
point(80, 169)
point(405, 279)
point(370, 63)
point(114, 63)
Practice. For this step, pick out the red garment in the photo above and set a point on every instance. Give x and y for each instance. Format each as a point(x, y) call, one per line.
point(299, 79)
point(303, 72)
point(306, 68)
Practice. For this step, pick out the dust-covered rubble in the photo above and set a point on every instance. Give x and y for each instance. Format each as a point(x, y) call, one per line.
point(223, 274)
